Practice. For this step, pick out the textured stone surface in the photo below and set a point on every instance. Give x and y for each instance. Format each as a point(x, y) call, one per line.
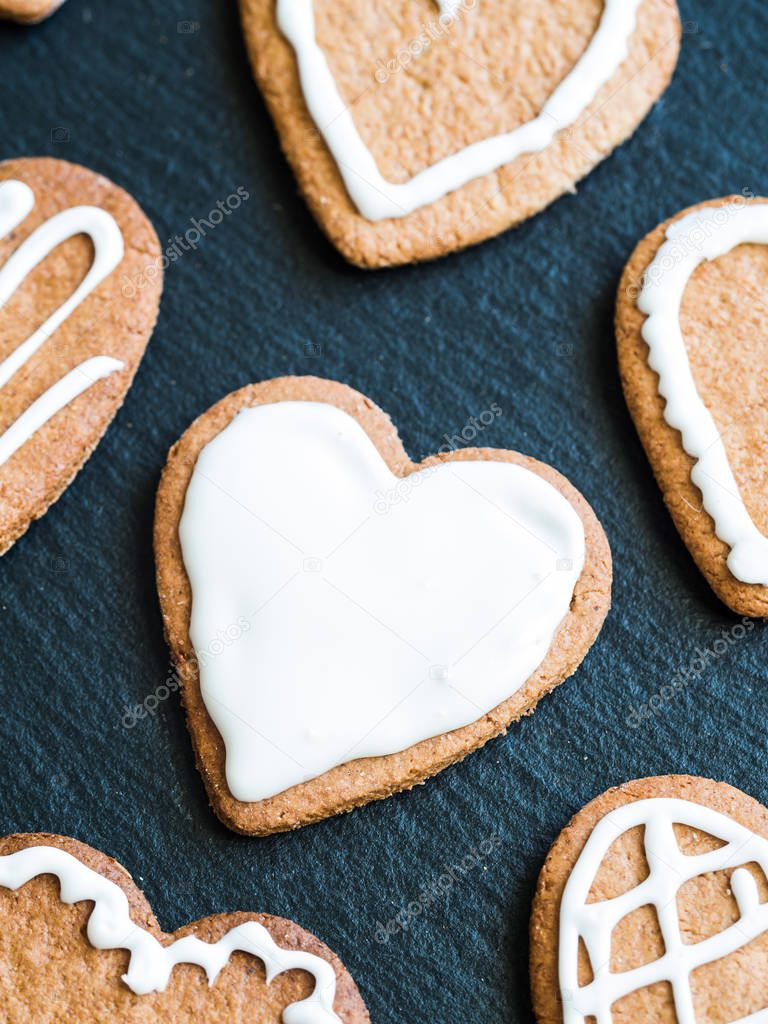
point(525, 321)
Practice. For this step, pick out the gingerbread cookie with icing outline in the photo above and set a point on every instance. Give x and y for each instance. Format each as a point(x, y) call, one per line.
point(29, 12)
point(81, 943)
point(703, 277)
point(75, 323)
point(652, 908)
point(279, 788)
point(416, 129)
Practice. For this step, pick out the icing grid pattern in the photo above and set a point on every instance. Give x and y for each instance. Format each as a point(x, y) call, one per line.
point(16, 202)
point(110, 927)
point(669, 869)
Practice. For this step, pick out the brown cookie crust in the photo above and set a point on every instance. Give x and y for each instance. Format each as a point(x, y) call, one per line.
point(727, 342)
point(728, 989)
point(360, 781)
point(50, 972)
point(468, 83)
point(116, 319)
point(28, 11)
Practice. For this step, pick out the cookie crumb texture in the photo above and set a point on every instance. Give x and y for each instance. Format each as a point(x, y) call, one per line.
point(49, 972)
point(116, 319)
point(361, 781)
point(726, 338)
point(28, 11)
point(419, 93)
point(728, 989)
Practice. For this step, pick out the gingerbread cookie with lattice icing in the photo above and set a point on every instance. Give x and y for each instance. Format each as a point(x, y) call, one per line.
point(419, 127)
point(652, 908)
point(80, 283)
point(347, 623)
point(80, 943)
point(693, 355)
point(28, 11)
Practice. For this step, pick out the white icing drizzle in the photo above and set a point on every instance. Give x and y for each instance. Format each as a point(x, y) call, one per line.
point(16, 202)
point(361, 612)
point(700, 236)
point(375, 197)
point(669, 869)
point(54, 399)
point(110, 927)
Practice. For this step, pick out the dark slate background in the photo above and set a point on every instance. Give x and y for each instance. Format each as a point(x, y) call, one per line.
point(524, 321)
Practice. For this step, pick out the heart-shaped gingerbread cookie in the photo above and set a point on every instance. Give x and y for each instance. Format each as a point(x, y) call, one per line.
point(693, 353)
point(28, 11)
point(80, 943)
point(80, 284)
point(346, 623)
point(417, 128)
point(652, 908)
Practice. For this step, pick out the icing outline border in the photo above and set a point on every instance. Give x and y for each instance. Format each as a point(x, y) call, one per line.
point(378, 199)
point(707, 233)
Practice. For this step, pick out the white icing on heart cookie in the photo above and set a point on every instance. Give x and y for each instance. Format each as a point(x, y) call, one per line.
point(149, 970)
point(16, 202)
point(670, 869)
point(340, 612)
point(374, 196)
point(702, 235)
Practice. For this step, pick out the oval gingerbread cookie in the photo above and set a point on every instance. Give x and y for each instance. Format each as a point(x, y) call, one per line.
point(28, 11)
point(80, 943)
point(347, 623)
point(693, 355)
point(74, 324)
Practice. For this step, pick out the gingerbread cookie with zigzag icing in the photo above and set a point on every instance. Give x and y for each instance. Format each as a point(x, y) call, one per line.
point(80, 282)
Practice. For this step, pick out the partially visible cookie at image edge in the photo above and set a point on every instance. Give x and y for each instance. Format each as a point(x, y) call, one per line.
point(693, 356)
point(416, 129)
point(651, 908)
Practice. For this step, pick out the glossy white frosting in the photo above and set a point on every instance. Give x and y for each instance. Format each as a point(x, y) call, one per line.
point(374, 611)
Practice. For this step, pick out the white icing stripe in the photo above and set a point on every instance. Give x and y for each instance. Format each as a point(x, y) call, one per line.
point(341, 612)
point(108, 252)
point(16, 202)
point(670, 869)
point(54, 399)
point(110, 927)
point(375, 197)
point(702, 235)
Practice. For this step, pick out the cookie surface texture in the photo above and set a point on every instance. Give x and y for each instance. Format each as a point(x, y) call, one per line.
point(651, 909)
point(28, 11)
point(418, 128)
point(80, 942)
